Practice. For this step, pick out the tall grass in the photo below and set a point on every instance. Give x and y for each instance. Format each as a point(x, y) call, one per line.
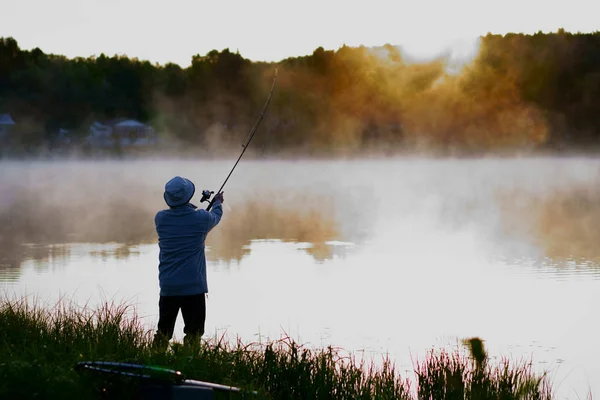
point(39, 348)
point(444, 375)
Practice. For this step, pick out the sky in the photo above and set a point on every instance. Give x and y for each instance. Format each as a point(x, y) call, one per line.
point(271, 30)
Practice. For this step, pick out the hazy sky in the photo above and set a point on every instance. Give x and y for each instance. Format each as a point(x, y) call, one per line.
point(270, 30)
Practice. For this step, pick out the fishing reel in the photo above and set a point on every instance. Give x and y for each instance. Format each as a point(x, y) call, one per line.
point(206, 195)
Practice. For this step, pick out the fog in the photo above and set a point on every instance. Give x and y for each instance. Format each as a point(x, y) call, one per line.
point(509, 207)
point(105, 201)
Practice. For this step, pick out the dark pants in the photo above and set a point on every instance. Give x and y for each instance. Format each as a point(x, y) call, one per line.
point(193, 310)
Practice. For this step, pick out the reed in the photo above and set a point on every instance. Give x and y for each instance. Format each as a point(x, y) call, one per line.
point(40, 346)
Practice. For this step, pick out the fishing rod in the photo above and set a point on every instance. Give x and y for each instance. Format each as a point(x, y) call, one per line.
point(151, 372)
point(207, 193)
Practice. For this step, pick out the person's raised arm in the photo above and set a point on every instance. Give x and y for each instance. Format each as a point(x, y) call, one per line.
point(216, 212)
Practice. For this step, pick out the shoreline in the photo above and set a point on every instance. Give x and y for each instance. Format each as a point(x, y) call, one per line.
point(48, 343)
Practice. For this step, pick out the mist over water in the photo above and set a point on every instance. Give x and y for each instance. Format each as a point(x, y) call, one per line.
point(373, 255)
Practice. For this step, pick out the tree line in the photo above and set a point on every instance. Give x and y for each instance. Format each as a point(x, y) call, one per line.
point(520, 92)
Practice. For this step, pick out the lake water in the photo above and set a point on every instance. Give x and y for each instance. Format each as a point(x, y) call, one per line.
point(374, 256)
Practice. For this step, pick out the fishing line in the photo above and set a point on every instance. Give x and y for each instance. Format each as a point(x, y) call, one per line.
point(206, 194)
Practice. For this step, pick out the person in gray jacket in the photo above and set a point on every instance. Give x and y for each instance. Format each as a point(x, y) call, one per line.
point(182, 231)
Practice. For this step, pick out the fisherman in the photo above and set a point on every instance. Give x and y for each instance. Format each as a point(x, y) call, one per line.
point(182, 231)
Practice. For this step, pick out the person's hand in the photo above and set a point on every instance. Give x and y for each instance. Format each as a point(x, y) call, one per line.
point(219, 197)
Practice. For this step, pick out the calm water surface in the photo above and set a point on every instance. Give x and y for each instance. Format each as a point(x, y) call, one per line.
point(373, 256)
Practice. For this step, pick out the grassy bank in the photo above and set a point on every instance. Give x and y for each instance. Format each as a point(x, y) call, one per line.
point(39, 348)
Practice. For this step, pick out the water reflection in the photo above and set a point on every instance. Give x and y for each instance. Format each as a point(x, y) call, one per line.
point(567, 268)
point(120, 226)
point(551, 210)
point(289, 219)
point(562, 222)
point(28, 220)
point(43, 257)
point(567, 223)
point(115, 251)
point(11, 257)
